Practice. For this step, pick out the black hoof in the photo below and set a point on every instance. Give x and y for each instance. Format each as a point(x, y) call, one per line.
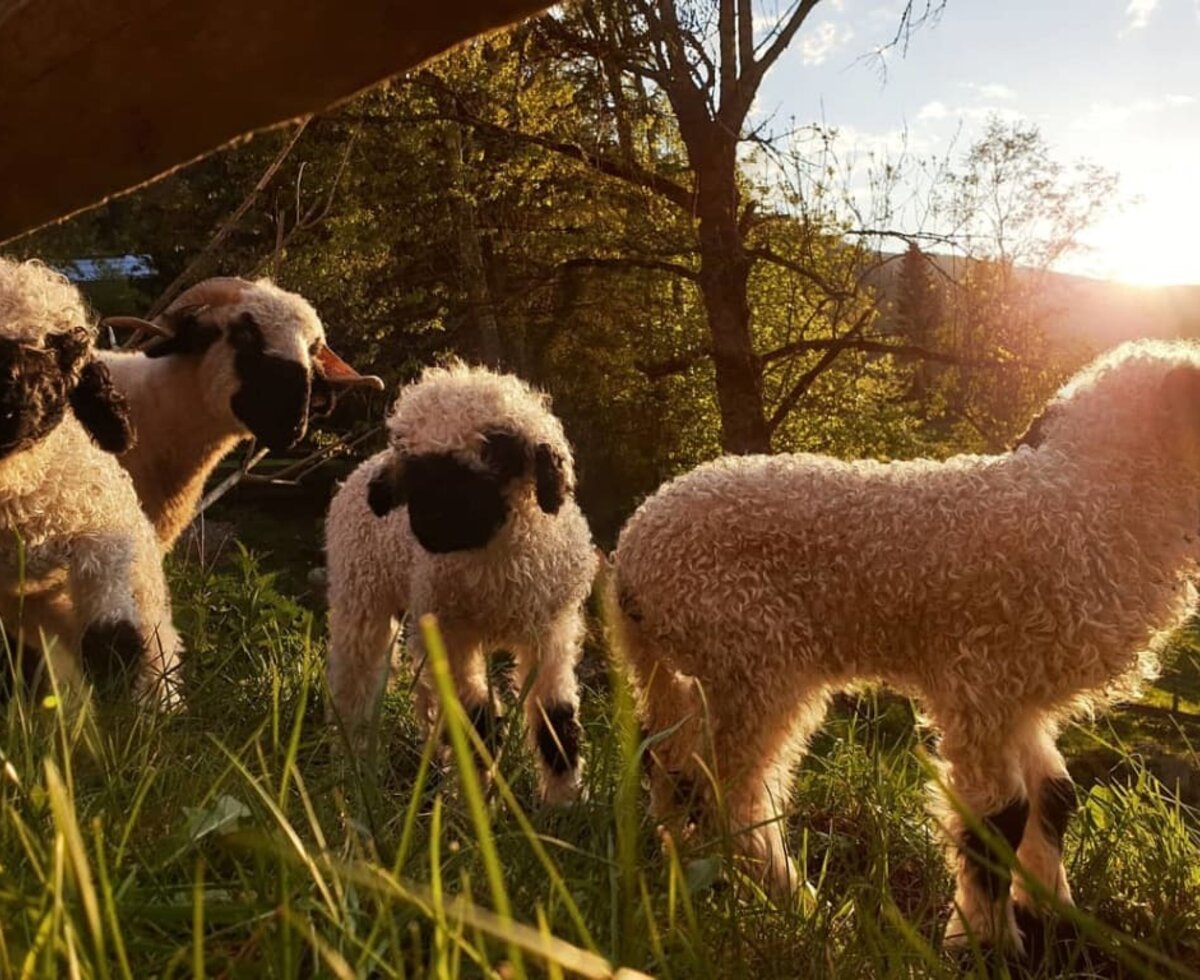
point(112, 654)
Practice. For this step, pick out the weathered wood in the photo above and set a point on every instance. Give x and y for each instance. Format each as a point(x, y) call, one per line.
point(100, 96)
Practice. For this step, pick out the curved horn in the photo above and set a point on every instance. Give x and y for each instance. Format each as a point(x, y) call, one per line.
point(338, 372)
point(136, 323)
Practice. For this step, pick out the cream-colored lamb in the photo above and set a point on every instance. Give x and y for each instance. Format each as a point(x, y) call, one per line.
point(470, 515)
point(1005, 592)
point(80, 569)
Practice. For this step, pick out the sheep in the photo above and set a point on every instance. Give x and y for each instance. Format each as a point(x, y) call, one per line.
point(232, 359)
point(468, 514)
point(1007, 593)
point(80, 568)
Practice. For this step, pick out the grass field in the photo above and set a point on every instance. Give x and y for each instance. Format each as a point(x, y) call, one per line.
point(236, 839)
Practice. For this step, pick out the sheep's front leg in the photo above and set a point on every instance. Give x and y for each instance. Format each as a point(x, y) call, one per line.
point(360, 639)
point(984, 777)
point(547, 673)
point(101, 583)
point(467, 661)
point(1052, 800)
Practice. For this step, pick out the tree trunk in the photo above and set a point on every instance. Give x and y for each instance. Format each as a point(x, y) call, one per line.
point(724, 286)
point(470, 255)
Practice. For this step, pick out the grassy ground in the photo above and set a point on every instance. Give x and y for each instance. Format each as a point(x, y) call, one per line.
point(235, 839)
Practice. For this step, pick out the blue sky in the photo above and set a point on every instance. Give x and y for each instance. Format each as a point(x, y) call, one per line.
point(1114, 81)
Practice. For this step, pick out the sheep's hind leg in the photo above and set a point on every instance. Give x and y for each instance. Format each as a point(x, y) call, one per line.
point(757, 741)
point(552, 709)
point(985, 777)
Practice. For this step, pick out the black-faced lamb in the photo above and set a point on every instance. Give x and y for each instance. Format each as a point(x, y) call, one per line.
point(231, 359)
point(1005, 592)
point(80, 569)
point(469, 514)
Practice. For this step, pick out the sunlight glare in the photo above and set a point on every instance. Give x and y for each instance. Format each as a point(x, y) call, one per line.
point(1146, 246)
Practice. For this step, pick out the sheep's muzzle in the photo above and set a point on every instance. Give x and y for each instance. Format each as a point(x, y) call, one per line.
point(451, 505)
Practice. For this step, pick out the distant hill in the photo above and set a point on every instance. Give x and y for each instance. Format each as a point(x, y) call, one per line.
point(1098, 312)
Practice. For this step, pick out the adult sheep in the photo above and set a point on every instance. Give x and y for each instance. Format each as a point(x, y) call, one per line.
point(230, 359)
point(79, 563)
point(1005, 592)
point(469, 514)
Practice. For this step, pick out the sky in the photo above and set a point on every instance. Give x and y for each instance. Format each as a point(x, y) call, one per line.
point(1115, 82)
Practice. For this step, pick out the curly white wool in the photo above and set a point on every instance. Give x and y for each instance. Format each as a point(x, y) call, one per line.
point(522, 592)
point(1006, 592)
point(76, 550)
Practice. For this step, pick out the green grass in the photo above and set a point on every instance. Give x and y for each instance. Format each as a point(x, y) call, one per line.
point(238, 839)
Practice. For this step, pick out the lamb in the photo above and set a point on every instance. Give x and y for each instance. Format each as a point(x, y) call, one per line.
point(1007, 593)
point(79, 563)
point(469, 514)
point(231, 359)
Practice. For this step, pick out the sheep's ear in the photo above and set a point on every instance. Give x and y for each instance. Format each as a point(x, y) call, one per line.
point(505, 454)
point(1035, 434)
point(385, 491)
point(189, 330)
point(102, 409)
point(550, 469)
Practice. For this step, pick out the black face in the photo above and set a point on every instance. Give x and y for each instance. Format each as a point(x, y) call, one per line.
point(452, 507)
point(35, 386)
point(273, 395)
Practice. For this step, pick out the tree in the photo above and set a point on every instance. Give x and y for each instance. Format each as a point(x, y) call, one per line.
point(707, 63)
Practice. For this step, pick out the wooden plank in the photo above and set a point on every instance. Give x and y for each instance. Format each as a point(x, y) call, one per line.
point(100, 96)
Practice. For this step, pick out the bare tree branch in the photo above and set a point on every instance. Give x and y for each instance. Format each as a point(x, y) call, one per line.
point(190, 271)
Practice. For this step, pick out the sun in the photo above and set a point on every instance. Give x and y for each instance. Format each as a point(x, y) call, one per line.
point(1146, 246)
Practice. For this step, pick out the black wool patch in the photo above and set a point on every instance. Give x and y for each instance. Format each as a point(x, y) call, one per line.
point(272, 399)
point(384, 493)
point(451, 506)
point(112, 655)
point(102, 409)
point(558, 737)
point(488, 725)
point(33, 394)
point(985, 866)
point(551, 479)
point(1058, 801)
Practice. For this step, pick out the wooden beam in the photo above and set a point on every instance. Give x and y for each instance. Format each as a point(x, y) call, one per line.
point(100, 96)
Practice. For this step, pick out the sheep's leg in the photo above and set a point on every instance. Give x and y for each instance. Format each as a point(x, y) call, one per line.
point(101, 583)
point(359, 646)
point(756, 745)
point(467, 661)
point(552, 709)
point(1052, 800)
point(158, 681)
point(985, 777)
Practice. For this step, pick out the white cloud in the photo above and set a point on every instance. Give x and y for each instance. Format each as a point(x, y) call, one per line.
point(1106, 115)
point(1139, 12)
point(817, 44)
point(996, 91)
point(933, 110)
